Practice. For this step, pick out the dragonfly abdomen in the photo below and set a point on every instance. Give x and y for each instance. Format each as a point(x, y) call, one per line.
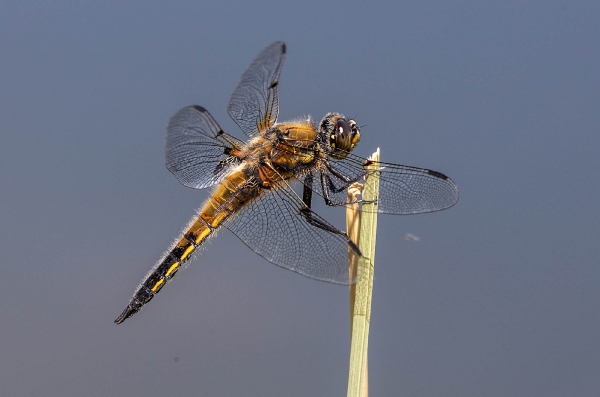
point(228, 197)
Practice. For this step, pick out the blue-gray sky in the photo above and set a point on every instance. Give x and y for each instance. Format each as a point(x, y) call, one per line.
point(499, 297)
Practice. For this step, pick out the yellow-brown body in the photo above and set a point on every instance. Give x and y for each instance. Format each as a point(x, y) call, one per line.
point(278, 154)
point(280, 227)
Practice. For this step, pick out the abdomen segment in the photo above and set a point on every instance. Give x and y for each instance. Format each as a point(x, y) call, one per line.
point(228, 198)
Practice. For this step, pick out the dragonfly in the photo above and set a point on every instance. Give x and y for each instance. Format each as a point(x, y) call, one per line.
point(252, 181)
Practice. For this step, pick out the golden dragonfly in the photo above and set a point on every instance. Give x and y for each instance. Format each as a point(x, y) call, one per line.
point(253, 196)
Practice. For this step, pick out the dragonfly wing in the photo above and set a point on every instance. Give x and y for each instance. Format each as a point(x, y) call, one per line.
point(254, 104)
point(403, 189)
point(198, 152)
point(275, 226)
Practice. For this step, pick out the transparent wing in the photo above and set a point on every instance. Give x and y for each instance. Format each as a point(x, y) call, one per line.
point(274, 227)
point(198, 152)
point(403, 189)
point(254, 104)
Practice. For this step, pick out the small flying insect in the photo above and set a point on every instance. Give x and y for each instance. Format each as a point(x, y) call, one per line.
point(252, 194)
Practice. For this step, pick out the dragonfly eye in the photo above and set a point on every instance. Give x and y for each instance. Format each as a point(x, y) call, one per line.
point(345, 135)
point(342, 129)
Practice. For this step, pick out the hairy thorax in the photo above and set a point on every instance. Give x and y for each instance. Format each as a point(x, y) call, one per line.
point(284, 151)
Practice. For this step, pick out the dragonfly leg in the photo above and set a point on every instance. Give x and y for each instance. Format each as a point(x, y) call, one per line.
point(329, 187)
point(340, 175)
point(307, 191)
point(321, 224)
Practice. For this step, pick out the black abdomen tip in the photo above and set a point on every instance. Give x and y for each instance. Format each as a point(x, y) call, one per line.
point(128, 312)
point(141, 297)
point(131, 309)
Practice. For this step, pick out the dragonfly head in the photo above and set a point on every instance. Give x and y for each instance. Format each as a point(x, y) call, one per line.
point(342, 134)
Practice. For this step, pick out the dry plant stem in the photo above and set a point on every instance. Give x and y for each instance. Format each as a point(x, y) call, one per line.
point(363, 290)
point(353, 230)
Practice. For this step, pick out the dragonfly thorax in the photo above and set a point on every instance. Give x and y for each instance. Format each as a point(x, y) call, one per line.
point(342, 134)
point(293, 144)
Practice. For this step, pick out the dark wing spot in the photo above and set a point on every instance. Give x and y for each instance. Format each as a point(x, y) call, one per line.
point(437, 174)
point(199, 108)
point(274, 84)
point(221, 132)
point(283, 49)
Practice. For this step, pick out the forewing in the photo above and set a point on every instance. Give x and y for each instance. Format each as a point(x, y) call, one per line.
point(403, 189)
point(273, 227)
point(198, 152)
point(254, 104)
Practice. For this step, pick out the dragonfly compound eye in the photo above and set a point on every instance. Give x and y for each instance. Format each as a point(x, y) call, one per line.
point(345, 136)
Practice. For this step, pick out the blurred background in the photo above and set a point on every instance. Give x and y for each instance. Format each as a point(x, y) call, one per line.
point(497, 297)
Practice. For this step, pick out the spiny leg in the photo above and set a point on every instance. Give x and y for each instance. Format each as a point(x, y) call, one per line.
point(315, 220)
point(307, 191)
point(328, 186)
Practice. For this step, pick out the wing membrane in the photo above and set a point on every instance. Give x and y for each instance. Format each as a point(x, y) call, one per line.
point(403, 190)
point(273, 227)
point(198, 152)
point(254, 104)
